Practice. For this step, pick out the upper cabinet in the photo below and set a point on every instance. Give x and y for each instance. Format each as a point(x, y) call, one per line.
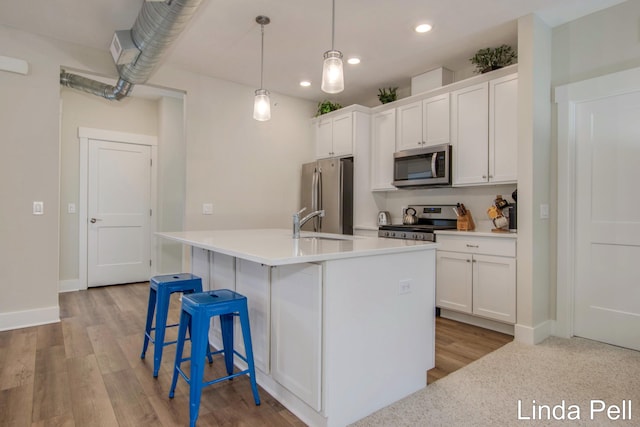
point(423, 123)
point(334, 136)
point(383, 145)
point(484, 132)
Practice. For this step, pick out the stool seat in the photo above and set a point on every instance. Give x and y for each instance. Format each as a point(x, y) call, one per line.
point(160, 290)
point(197, 311)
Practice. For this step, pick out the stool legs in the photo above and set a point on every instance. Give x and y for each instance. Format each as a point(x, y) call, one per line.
point(161, 324)
point(226, 324)
point(150, 310)
point(246, 334)
point(185, 321)
point(199, 343)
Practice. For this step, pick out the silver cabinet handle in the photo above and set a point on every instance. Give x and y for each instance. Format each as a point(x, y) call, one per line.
point(93, 220)
point(472, 246)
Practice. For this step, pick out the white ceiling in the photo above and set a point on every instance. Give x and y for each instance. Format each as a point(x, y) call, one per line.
point(223, 39)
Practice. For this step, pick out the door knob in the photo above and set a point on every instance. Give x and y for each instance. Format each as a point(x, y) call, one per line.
point(93, 220)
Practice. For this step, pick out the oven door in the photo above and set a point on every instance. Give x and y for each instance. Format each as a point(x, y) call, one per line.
point(423, 167)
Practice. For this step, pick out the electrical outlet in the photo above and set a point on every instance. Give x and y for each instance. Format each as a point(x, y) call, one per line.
point(38, 208)
point(207, 209)
point(404, 287)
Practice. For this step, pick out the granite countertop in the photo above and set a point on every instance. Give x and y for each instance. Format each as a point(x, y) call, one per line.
point(277, 247)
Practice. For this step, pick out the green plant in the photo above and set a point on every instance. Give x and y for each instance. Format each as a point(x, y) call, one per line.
point(492, 58)
point(387, 95)
point(327, 106)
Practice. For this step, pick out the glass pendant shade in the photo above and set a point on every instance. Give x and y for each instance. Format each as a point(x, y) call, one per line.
point(332, 74)
point(262, 105)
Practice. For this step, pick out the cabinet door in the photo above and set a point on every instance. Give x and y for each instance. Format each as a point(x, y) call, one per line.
point(436, 120)
point(383, 146)
point(409, 126)
point(253, 281)
point(470, 134)
point(342, 135)
point(503, 129)
point(494, 287)
point(324, 138)
point(296, 339)
point(454, 281)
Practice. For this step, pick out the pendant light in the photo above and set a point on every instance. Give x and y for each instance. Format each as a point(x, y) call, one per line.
point(332, 75)
point(262, 103)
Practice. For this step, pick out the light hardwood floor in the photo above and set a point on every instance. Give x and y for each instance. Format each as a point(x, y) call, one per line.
point(86, 370)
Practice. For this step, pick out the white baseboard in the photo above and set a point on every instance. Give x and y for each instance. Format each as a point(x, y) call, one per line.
point(70, 285)
point(533, 335)
point(27, 318)
point(481, 322)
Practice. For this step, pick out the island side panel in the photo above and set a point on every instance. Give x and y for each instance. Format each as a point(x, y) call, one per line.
point(379, 336)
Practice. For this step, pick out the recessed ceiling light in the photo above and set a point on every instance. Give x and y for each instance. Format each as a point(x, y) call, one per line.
point(305, 83)
point(423, 28)
point(353, 61)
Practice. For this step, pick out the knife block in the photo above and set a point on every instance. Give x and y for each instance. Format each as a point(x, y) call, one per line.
point(465, 222)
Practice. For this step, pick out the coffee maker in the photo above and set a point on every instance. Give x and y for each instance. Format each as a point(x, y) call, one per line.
point(513, 212)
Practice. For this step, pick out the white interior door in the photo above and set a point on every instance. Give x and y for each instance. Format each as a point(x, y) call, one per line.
point(607, 286)
point(119, 213)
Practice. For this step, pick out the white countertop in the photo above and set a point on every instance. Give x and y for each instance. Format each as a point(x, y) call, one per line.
point(277, 247)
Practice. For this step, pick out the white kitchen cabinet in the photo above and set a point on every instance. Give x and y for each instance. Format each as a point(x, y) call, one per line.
point(503, 129)
point(296, 330)
point(200, 265)
point(484, 132)
point(477, 275)
point(423, 123)
point(383, 145)
point(253, 281)
point(334, 136)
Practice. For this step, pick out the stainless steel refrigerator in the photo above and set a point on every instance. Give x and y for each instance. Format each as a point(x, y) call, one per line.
point(328, 184)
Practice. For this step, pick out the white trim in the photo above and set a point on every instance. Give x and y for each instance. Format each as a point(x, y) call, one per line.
point(27, 318)
point(90, 134)
point(567, 97)
point(535, 335)
point(69, 285)
point(112, 135)
point(481, 322)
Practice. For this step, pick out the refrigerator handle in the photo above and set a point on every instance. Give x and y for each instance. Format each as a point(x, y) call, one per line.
point(319, 201)
point(314, 191)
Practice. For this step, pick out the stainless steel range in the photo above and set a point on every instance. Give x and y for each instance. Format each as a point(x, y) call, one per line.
point(430, 219)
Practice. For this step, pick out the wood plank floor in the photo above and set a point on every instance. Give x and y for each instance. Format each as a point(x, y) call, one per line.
point(86, 370)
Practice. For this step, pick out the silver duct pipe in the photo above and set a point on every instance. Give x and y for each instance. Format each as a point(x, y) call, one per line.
point(117, 92)
point(157, 26)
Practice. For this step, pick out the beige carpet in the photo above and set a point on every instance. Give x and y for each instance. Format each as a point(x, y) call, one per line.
point(486, 392)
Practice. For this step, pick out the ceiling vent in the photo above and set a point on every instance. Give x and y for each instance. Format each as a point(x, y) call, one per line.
point(138, 51)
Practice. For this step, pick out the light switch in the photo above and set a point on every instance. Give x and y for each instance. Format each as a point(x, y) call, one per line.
point(207, 209)
point(71, 208)
point(38, 208)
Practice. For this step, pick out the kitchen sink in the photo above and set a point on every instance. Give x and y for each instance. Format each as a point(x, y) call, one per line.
point(321, 236)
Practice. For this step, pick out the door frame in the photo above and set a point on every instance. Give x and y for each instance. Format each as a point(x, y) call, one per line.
point(86, 135)
point(567, 97)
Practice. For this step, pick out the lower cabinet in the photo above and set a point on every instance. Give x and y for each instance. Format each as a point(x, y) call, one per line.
point(477, 275)
point(296, 330)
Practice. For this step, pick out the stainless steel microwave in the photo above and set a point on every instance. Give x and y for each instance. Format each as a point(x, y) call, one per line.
point(423, 167)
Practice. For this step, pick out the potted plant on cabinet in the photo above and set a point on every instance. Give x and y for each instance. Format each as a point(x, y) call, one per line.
point(492, 58)
point(387, 94)
point(327, 106)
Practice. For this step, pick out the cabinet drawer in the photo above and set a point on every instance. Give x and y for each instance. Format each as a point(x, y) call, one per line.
point(478, 245)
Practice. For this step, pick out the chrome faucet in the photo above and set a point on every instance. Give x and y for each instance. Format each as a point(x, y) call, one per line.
point(297, 222)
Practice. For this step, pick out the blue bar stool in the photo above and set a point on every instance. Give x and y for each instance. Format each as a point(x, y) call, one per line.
point(159, 295)
point(197, 310)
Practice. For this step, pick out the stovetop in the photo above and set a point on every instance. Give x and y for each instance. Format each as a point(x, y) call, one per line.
point(430, 219)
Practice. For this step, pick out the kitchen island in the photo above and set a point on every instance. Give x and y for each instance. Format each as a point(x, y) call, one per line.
point(341, 325)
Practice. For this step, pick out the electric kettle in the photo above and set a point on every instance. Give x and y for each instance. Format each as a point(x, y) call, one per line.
point(384, 218)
